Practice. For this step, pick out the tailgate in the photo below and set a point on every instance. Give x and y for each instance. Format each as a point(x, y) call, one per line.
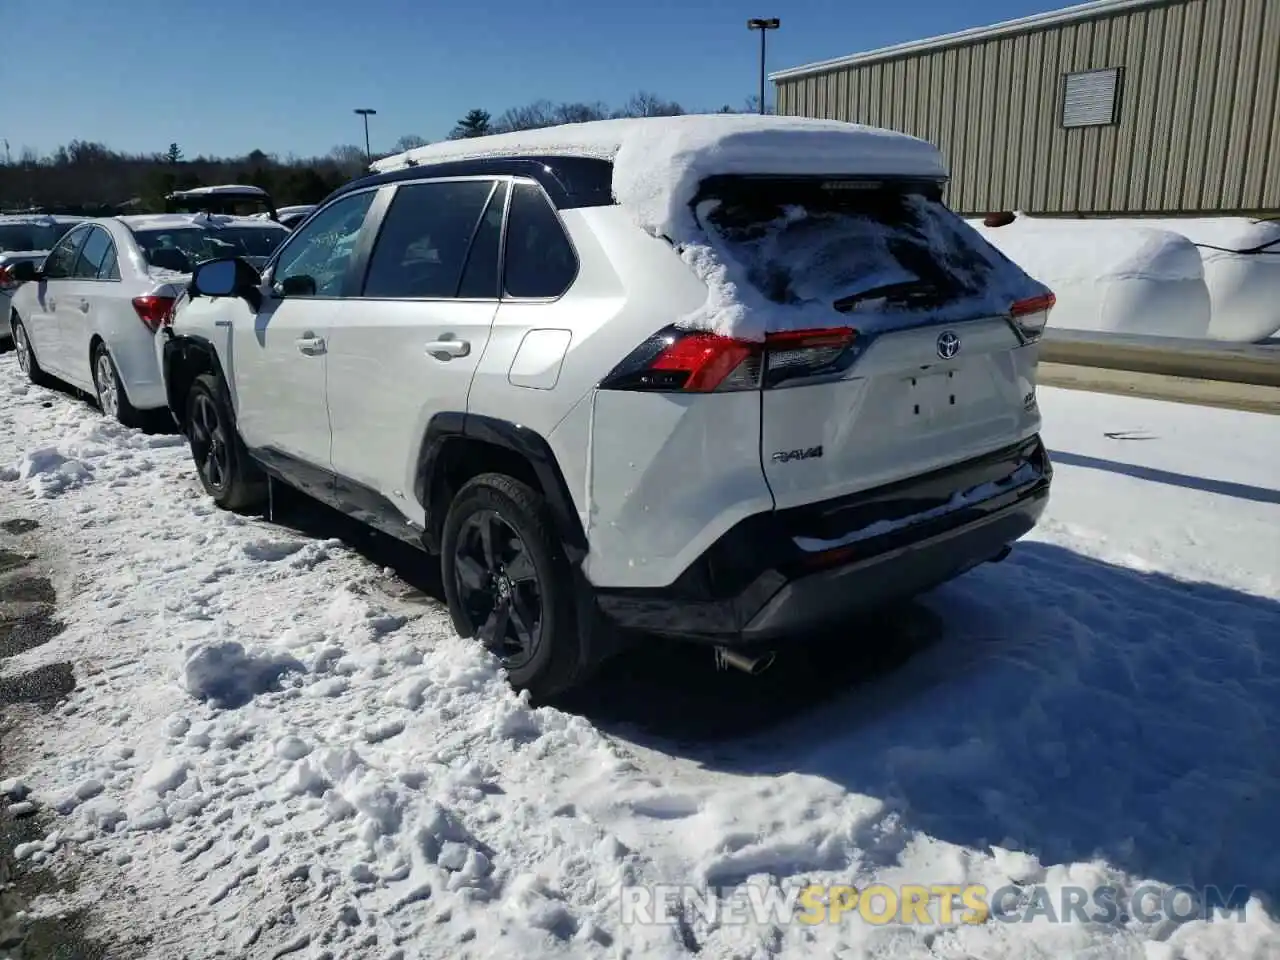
point(901, 410)
point(895, 341)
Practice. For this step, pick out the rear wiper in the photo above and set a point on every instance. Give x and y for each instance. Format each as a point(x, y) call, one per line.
point(903, 291)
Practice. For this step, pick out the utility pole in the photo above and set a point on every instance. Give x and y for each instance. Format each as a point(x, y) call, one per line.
point(764, 26)
point(366, 113)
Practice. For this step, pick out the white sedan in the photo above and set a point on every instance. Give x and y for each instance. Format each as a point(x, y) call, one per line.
point(89, 315)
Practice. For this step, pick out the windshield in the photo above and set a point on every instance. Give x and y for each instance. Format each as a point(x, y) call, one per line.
point(181, 248)
point(854, 245)
point(31, 236)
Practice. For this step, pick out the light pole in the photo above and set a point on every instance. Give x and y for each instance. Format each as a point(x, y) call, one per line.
point(366, 113)
point(764, 26)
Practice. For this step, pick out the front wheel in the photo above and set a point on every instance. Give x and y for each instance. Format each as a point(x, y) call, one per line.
point(226, 471)
point(509, 584)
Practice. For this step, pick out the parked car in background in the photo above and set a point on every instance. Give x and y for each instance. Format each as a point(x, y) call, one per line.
point(489, 354)
point(292, 216)
point(26, 237)
point(230, 199)
point(88, 314)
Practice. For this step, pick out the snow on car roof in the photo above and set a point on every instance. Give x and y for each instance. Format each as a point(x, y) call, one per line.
point(659, 161)
point(220, 188)
point(173, 221)
point(40, 219)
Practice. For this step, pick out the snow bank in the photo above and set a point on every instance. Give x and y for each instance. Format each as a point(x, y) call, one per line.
point(1241, 270)
point(659, 163)
point(1086, 720)
point(1110, 277)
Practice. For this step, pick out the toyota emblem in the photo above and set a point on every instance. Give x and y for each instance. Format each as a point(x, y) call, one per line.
point(948, 345)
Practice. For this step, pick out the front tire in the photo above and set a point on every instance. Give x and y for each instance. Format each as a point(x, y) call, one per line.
point(26, 354)
point(112, 400)
point(224, 466)
point(509, 584)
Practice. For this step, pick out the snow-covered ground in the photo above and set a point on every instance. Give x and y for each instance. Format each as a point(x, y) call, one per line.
point(278, 750)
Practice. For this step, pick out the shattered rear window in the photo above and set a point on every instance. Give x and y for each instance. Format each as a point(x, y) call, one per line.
point(855, 245)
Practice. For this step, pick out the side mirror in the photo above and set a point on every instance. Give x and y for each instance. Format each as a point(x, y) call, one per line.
point(24, 271)
point(229, 277)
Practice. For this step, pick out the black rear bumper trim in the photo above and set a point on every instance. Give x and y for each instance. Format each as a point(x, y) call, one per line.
point(791, 592)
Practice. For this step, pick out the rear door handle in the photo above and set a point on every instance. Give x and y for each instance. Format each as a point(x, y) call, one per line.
point(311, 346)
point(448, 349)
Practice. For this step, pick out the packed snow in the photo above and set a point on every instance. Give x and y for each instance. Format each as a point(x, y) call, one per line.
point(1115, 279)
point(1199, 277)
point(659, 164)
point(278, 750)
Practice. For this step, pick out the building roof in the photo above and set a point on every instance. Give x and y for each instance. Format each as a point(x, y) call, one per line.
point(1039, 21)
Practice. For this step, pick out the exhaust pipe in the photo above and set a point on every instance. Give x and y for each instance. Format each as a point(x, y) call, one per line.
point(752, 666)
point(1004, 552)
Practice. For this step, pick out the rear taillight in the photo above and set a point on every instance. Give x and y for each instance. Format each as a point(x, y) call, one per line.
point(154, 311)
point(689, 361)
point(7, 282)
point(1031, 315)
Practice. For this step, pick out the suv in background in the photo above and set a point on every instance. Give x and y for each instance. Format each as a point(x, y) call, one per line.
point(479, 356)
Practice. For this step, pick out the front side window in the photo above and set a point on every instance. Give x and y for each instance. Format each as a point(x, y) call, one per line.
point(314, 264)
point(425, 237)
point(93, 252)
point(62, 258)
point(539, 262)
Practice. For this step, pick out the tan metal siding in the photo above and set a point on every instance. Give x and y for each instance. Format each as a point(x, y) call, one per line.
point(1199, 111)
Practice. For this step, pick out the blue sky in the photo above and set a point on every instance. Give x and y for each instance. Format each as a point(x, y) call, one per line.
point(283, 76)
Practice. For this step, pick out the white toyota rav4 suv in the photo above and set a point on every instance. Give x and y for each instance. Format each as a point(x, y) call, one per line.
point(718, 378)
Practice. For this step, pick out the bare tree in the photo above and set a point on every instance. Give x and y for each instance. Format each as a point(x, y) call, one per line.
point(645, 104)
point(408, 142)
point(541, 113)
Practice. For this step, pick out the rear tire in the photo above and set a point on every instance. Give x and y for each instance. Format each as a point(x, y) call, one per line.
point(508, 583)
point(227, 472)
point(27, 354)
point(111, 397)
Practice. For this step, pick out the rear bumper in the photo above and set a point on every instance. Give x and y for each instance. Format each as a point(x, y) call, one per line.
point(789, 571)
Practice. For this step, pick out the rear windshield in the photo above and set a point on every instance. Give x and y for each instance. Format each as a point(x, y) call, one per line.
point(31, 236)
point(856, 245)
point(181, 248)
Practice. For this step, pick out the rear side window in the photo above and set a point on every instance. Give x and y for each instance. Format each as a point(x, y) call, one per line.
point(854, 246)
point(92, 253)
point(480, 280)
point(539, 261)
point(425, 237)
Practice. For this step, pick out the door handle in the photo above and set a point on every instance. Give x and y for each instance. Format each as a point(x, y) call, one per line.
point(448, 349)
point(84, 306)
point(311, 346)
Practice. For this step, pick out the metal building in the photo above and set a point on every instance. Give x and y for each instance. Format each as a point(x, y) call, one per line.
point(1110, 107)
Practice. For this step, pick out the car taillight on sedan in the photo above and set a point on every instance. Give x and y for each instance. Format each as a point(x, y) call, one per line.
point(692, 361)
point(154, 311)
point(7, 281)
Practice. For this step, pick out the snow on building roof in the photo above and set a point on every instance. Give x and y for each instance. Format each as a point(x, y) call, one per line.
point(1039, 21)
point(659, 161)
